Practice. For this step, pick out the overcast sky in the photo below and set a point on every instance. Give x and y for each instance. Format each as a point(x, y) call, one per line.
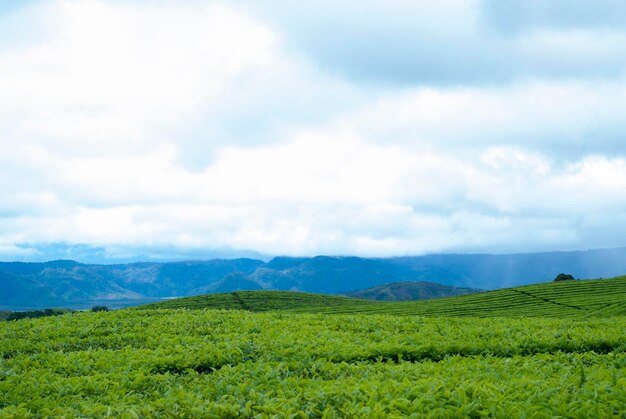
point(189, 129)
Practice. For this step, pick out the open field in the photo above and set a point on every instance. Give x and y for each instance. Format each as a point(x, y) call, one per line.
point(219, 363)
point(573, 299)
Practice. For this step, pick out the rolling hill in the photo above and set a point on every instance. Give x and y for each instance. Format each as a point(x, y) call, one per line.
point(262, 301)
point(575, 299)
point(407, 291)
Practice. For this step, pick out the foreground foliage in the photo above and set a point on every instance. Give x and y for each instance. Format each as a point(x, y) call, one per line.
point(210, 363)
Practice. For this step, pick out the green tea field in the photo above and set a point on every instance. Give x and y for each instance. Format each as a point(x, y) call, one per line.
point(278, 362)
point(210, 363)
point(576, 299)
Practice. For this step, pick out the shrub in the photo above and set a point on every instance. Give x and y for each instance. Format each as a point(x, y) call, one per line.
point(564, 277)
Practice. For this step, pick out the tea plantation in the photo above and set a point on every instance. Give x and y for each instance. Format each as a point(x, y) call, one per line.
point(574, 299)
point(156, 362)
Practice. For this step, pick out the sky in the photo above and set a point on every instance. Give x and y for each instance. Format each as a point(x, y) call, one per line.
point(145, 130)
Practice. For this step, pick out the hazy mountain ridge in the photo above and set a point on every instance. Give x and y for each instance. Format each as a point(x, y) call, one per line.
point(66, 283)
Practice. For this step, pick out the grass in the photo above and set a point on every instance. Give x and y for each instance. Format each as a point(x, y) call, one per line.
point(567, 299)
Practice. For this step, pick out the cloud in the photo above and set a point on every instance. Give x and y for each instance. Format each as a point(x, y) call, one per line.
point(510, 16)
point(108, 77)
point(456, 42)
point(328, 193)
point(117, 78)
point(566, 119)
point(147, 129)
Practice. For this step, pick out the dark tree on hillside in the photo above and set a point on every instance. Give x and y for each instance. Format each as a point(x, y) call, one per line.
point(564, 277)
point(99, 308)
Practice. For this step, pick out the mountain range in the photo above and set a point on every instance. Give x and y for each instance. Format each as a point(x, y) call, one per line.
point(71, 284)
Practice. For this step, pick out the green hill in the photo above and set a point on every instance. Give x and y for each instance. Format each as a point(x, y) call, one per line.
point(410, 290)
point(582, 298)
point(264, 301)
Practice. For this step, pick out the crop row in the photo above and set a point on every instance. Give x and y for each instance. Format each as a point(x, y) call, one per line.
point(182, 363)
point(574, 299)
point(561, 385)
point(151, 328)
point(570, 299)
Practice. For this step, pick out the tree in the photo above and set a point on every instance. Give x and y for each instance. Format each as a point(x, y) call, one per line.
point(564, 277)
point(99, 308)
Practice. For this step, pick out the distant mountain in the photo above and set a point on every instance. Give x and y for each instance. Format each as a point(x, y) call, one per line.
point(70, 284)
point(329, 275)
point(75, 285)
point(488, 271)
point(235, 281)
point(405, 291)
point(16, 291)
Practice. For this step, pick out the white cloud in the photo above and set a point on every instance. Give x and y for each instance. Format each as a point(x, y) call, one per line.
point(456, 42)
point(312, 196)
point(568, 118)
point(110, 78)
point(512, 16)
point(135, 125)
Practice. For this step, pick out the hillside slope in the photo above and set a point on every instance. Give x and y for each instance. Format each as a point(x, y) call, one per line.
point(408, 291)
point(576, 299)
point(259, 301)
